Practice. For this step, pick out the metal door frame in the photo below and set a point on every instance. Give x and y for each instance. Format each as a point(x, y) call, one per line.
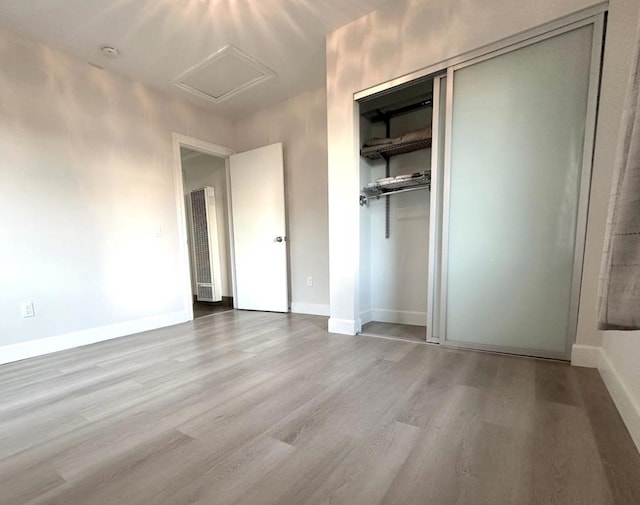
point(585, 184)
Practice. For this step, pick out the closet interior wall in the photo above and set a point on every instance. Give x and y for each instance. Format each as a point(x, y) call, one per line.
point(394, 270)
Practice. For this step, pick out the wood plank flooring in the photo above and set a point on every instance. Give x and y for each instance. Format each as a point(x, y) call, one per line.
point(246, 408)
point(394, 330)
point(203, 309)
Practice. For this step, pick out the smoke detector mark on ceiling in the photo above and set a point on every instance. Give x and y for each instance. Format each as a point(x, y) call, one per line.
point(223, 75)
point(110, 52)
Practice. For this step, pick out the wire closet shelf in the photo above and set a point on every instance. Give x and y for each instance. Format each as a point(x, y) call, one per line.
point(395, 185)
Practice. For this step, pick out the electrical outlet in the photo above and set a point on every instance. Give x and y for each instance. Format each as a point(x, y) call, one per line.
point(27, 309)
point(309, 281)
point(157, 231)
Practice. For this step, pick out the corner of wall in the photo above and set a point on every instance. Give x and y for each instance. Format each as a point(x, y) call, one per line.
point(626, 403)
point(588, 356)
point(628, 406)
point(343, 326)
point(365, 317)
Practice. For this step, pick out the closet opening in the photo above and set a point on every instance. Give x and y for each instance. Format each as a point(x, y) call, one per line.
point(395, 198)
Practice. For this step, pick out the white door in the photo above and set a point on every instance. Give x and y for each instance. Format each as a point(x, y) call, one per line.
point(259, 229)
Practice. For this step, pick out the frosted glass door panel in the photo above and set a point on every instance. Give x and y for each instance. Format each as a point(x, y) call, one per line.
point(517, 138)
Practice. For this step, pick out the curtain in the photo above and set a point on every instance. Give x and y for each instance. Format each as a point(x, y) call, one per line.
point(619, 296)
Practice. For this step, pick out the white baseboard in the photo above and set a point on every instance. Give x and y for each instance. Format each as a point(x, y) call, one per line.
point(399, 317)
point(627, 405)
point(32, 348)
point(366, 317)
point(314, 309)
point(343, 326)
point(586, 355)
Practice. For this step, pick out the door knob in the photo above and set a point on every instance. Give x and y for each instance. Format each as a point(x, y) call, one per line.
point(280, 239)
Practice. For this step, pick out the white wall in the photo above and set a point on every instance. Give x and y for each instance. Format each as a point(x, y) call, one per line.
point(413, 34)
point(619, 366)
point(86, 177)
point(300, 123)
point(619, 362)
point(206, 170)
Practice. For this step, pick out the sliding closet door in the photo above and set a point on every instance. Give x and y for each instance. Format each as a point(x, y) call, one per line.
point(516, 185)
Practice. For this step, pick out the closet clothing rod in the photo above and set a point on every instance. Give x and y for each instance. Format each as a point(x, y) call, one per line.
point(364, 199)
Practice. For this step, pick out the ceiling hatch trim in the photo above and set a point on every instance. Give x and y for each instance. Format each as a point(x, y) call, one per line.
point(222, 75)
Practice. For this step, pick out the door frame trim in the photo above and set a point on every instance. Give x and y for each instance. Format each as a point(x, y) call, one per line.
point(552, 32)
point(498, 45)
point(435, 211)
point(180, 140)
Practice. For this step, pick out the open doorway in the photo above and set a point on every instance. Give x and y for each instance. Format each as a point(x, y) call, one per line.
point(250, 212)
point(203, 172)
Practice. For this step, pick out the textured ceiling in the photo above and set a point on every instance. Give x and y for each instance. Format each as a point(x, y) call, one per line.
point(161, 39)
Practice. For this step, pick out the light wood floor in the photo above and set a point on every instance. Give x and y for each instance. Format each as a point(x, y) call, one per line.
point(394, 330)
point(268, 409)
point(203, 309)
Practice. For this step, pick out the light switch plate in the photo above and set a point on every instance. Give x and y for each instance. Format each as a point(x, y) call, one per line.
point(27, 309)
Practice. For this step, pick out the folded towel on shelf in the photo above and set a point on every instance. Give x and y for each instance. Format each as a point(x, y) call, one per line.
point(412, 136)
point(378, 141)
point(384, 180)
point(421, 134)
point(405, 177)
point(366, 150)
point(398, 178)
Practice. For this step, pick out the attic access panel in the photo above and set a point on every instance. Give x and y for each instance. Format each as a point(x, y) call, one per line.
point(223, 75)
